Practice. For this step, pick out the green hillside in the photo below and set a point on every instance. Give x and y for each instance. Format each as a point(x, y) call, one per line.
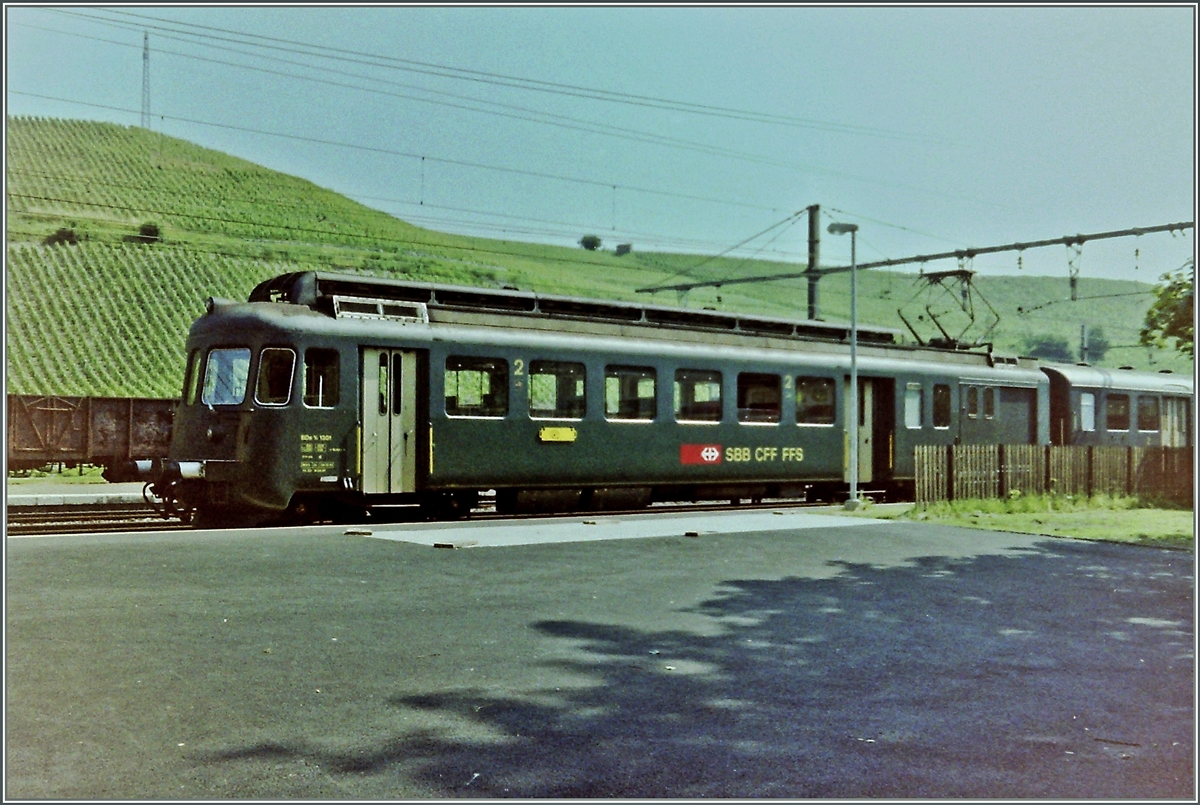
point(99, 312)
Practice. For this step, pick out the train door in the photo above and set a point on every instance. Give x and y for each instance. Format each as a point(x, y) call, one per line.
point(389, 421)
point(1175, 428)
point(866, 435)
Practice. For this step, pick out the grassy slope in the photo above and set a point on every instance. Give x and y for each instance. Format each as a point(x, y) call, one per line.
point(108, 317)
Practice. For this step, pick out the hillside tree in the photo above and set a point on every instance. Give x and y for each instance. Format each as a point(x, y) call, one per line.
point(1098, 345)
point(1050, 347)
point(1173, 314)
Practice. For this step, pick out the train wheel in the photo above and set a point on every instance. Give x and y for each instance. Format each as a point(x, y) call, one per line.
point(453, 506)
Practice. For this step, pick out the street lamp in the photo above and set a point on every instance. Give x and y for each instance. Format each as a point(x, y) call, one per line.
point(852, 502)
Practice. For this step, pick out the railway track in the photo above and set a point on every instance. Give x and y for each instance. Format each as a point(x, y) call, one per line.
point(87, 519)
point(111, 518)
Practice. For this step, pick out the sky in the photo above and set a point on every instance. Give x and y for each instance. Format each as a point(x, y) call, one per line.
point(687, 129)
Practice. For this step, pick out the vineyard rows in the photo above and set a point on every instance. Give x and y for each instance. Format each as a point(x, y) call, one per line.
point(110, 320)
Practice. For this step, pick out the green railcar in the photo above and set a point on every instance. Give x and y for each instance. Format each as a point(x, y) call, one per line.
point(330, 396)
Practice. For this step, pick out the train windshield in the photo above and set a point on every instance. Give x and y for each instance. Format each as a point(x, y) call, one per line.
point(225, 375)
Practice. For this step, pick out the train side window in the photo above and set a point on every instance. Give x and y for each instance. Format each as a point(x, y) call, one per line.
point(397, 384)
point(697, 395)
point(557, 390)
point(759, 397)
point(814, 401)
point(276, 367)
point(629, 392)
point(972, 402)
point(476, 387)
point(989, 403)
point(322, 378)
point(225, 375)
point(1087, 412)
point(191, 383)
point(382, 383)
point(1117, 412)
point(914, 405)
point(941, 405)
point(1147, 413)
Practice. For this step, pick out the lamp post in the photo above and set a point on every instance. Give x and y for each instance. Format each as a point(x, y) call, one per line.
point(852, 502)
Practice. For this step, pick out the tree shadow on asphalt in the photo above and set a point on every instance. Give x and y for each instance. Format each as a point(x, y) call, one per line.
point(1042, 673)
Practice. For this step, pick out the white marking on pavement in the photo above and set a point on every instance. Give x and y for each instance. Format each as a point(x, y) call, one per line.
point(570, 529)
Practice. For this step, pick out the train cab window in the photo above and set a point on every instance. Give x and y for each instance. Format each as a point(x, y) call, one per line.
point(191, 383)
point(629, 392)
point(941, 405)
point(972, 402)
point(322, 378)
point(759, 398)
point(225, 374)
point(914, 404)
point(1117, 412)
point(697, 395)
point(557, 390)
point(276, 366)
point(476, 387)
point(814, 401)
point(1147, 413)
point(1087, 412)
point(989, 403)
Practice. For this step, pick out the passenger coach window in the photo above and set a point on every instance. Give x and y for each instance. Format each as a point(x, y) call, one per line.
point(477, 387)
point(972, 402)
point(814, 401)
point(1147, 413)
point(225, 376)
point(1117, 407)
point(629, 392)
point(321, 378)
point(697, 395)
point(759, 398)
point(275, 369)
point(556, 390)
point(989, 403)
point(1087, 412)
point(941, 406)
point(914, 404)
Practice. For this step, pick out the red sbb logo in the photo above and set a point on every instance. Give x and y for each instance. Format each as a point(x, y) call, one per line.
point(699, 454)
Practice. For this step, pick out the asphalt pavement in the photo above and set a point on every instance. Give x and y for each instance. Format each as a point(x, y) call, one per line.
point(790, 658)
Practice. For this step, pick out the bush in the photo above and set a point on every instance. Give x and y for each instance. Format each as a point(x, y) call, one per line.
point(63, 235)
point(590, 242)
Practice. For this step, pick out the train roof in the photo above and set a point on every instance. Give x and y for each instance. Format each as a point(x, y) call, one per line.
point(338, 294)
point(1165, 382)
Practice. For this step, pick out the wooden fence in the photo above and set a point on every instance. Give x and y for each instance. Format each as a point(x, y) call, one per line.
point(956, 472)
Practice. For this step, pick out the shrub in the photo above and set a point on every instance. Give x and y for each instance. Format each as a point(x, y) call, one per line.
point(590, 242)
point(63, 235)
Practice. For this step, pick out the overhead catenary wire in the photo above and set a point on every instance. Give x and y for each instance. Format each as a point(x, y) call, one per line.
point(408, 154)
point(650, 238)
point(372, 238)
point(546, 118)
point(961, 254)
point(786, 221)
point(654, 139)
point(486, 77)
